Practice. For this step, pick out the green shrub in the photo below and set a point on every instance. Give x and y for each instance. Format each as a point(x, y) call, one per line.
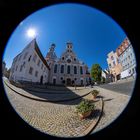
point(85, 106)
point(95, 92)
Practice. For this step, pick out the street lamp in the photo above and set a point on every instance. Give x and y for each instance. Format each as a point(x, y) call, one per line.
point(75, 83)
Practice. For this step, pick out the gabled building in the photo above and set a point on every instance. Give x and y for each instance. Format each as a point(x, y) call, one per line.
point(30, 66)
point(68, 69)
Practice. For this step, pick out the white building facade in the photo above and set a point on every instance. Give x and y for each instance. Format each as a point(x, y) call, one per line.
point(30, 66)
point(127, 59)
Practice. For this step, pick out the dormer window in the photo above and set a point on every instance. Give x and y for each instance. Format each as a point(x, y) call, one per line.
point(74, 59)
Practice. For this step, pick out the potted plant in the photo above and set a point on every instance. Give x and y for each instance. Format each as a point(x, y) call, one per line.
point(85, 108)
point(94, 93)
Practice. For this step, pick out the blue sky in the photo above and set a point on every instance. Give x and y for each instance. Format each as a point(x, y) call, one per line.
point(93, 33)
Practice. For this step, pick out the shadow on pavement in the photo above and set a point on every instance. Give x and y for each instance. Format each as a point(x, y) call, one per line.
point(67, 98)
point(64, 96)
point(108, 99)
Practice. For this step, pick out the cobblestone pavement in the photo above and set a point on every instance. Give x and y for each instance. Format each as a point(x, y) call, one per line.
point(61, 119)
point(114, 104)
point(53, 119)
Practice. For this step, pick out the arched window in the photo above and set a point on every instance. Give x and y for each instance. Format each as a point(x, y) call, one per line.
point(81, 70)
point(75, 70)
point(68, 70)
point(55, 68)
point(62, 68)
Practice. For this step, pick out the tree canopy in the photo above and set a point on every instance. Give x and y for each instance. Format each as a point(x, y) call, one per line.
point(96, 71)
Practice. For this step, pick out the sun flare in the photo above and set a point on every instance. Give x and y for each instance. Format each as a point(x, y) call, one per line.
point(31, 33)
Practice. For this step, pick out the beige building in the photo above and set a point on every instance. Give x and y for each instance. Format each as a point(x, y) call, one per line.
point(114, 66)
point(68, 69)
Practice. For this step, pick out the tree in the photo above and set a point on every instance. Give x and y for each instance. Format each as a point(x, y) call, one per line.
point(96, 71)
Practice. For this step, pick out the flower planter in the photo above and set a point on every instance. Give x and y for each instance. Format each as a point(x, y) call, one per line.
point(84, 115)
point(95, 94)
point(94, 97)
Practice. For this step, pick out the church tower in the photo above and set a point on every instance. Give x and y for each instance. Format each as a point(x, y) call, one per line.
point(69, 47)
point(51, 56)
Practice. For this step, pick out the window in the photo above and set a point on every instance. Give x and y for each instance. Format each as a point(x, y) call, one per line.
point(55, 68)
point(62, 58)
point(29, 58)
point(114, 63)
point(19, 57)
point(16, 68)
point(81, 70)
point(21, 68)
point(38, 62)
point(129, 56)
point(68, 69)
point(42, 66)
point(44, 69)
point(62, 68)
point(25, 55)
point(61, 78)
point(31, 70)
point(118, 60)
point(75, 70)
point(36, 73)
point(35, 57)
point(74, 59)
point(112, 57)
point(109, 65)
point(133, 70)
point(24, 64)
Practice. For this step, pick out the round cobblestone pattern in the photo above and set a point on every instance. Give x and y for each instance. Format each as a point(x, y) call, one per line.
point(54, 119)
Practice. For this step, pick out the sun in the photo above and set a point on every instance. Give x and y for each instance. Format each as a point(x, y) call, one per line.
point(31, 33)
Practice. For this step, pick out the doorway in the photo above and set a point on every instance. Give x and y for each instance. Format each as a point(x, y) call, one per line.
point(68, 81)
point(41, 79)
point(54, 81)
point(81, 82)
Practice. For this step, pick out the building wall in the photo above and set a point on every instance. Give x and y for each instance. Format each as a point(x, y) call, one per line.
point(127, 59)
point(67, 59)
point(114, 65)
point(24, 62)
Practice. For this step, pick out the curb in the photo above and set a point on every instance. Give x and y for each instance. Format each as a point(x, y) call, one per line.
point(94, 123)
